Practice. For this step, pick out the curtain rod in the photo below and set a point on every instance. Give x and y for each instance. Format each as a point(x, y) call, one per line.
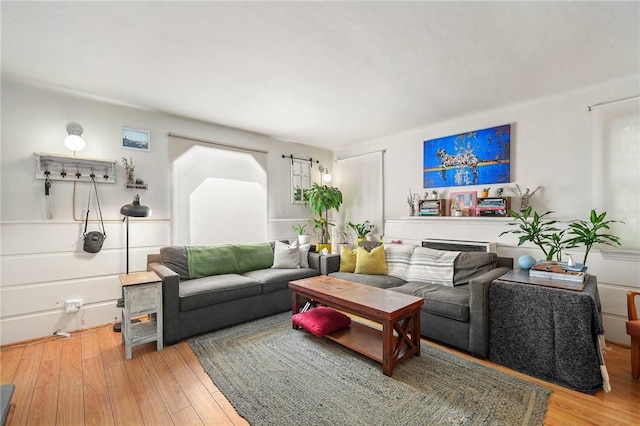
point(311, 160)
point(226, 145)
point(360, 155)
point(617, 101)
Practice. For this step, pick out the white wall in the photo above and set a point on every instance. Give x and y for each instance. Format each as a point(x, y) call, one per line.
point(42, 262)
point(550, 146)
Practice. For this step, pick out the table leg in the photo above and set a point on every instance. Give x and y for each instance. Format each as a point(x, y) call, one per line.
point(387, 348)
point(295, 306)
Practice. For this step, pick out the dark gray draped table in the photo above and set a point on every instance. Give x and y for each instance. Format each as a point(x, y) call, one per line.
point(549, 333)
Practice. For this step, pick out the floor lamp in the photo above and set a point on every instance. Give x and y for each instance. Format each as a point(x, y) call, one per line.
point(135, 209)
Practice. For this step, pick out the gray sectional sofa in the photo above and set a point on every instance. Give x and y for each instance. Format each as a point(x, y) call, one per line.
point(456, 314)
point(209, 288)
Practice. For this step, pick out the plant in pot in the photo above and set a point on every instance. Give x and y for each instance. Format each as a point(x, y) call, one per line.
point(361, 230)
point(321, 199)
point(539, 231)
point(589, 233)
point(300, 230)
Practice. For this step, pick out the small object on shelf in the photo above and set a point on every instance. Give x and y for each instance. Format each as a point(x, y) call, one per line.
point(559, 271)
point(526, 262)
point(432, 207)
point(493, 206)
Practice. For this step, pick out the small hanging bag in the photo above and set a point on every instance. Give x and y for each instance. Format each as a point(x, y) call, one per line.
point(93, 240)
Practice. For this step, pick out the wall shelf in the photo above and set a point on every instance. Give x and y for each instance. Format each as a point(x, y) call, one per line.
point(137, 186)
point(74, 169)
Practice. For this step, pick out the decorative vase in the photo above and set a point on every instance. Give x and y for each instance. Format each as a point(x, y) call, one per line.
point(303, 239)
point(485, 194)
point(526, 262)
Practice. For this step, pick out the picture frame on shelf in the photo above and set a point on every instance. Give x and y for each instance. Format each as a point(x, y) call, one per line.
point(134, 139)
point(463, 201)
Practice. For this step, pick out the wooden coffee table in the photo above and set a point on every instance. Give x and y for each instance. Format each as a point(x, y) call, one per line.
point(398, 313)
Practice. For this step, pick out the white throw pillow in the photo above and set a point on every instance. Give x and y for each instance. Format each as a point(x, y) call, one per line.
point(304, 255)
point(286, 256)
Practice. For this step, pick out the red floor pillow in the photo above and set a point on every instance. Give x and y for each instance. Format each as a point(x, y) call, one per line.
point(321, 320)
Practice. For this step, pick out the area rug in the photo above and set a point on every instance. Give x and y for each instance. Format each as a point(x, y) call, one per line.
point(274, 375)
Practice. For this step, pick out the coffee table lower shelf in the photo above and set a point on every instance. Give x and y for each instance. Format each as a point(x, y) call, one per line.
point(360, 338)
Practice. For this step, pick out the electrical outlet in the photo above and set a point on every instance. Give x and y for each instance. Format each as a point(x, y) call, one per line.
point(72, 306)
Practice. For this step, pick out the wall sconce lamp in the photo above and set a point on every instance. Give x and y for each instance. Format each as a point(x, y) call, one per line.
point(74, 141)
point(326, 176)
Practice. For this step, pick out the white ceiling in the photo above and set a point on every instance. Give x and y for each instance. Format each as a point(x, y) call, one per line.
point(321, 73)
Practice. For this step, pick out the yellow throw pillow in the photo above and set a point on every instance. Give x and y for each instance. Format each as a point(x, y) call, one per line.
point(372, 263)
point(347, 260)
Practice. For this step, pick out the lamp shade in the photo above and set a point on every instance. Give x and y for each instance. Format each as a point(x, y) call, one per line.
point(135, 209)
point(74, 143)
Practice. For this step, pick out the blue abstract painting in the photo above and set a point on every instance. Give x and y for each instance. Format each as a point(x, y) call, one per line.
point(480, 157)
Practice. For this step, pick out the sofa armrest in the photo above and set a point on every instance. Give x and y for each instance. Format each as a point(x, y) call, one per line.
point(329, 263)
point(479, 311)
point(314, 260)
point(506, 262)
point(170, 301)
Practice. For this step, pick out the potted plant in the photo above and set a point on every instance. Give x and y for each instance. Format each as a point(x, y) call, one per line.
point(361, 229)
point(485, 192)
point(303, 237)
point(321, 199)
point(537, 230)
point(589, 233)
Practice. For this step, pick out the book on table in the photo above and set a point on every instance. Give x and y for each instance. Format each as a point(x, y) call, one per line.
point(559, 271)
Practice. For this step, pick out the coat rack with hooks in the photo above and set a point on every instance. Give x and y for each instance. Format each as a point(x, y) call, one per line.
point(74, 169)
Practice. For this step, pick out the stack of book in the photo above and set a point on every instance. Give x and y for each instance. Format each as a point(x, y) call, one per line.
point(429, 208)
point(491, 207)
point(559, 271)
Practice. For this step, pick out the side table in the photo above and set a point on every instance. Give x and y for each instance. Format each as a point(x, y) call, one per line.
point(549, 333)
point(142, 296)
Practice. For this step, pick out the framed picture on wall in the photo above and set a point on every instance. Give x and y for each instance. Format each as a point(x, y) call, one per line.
point(465, 202)
point(479, 157)
point(134, 139)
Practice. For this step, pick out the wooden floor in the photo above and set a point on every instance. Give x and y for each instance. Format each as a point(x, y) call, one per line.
point(85, 379)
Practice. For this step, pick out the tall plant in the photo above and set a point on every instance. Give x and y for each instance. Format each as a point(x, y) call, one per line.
point(589, 233)
point(323, 198)
point(537, 230)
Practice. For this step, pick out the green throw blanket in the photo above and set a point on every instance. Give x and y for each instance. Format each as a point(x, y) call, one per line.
point(228, 259)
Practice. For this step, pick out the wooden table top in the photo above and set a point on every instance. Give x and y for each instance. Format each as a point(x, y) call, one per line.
point(352, 293)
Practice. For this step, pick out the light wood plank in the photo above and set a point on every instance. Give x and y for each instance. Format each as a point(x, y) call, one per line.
point(147, 395)
point(96, 396)
point(186, 416)
point(71, 370)
point(45, 396)
point(170, 391)
point(201, 400)
point(9, 363)
point(90, 345)
point(109, 348)
point(123, 402)
point(25, 381)
point(70, 406)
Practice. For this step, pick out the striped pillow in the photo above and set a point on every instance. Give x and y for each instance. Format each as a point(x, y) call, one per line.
point(398, 259)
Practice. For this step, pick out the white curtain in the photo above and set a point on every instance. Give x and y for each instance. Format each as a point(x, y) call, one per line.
point(616, 167)
point(361, 180)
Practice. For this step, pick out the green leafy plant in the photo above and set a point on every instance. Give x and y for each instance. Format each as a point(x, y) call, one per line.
point(537, 230)
point(361, 229)
point(300, 229)
point(589, 233)
point(323, 198)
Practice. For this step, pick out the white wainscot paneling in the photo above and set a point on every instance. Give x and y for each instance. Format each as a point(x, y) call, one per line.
point(59, 237)
point(21, 328)
point(43, 265)
point(415, 229)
